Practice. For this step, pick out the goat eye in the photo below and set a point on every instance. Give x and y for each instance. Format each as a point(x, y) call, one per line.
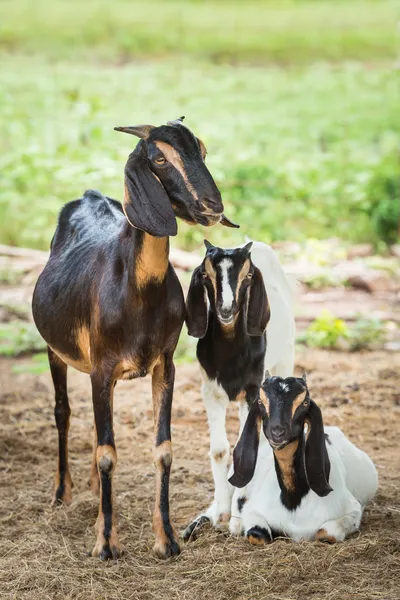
point(160, 160)
point(204, 275)
point(249, 275)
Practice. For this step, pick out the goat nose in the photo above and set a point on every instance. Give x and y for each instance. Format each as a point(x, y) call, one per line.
point(278, 432)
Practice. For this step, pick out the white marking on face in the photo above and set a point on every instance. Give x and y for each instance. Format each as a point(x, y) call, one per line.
point(227, 293)
point(284, 387)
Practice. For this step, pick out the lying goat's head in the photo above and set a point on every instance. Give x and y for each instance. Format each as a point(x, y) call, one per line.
point(284, 408)
point(166, 176)
point(232, 283)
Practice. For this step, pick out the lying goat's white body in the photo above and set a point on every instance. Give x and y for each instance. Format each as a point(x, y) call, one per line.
point(353, 478)
point(279, 360)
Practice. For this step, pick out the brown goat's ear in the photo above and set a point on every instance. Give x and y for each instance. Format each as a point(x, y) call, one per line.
point(203, 149)
point(317, 461)
point(246, 450)
point(141, 131)
point(196, 305)
point(228, 223)
point(146, 203)
point(258, 311)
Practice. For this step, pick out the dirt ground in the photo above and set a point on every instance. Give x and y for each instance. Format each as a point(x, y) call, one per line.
point(44, 553)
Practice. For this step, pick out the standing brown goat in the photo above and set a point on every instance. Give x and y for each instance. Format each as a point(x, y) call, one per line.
point(110, 304)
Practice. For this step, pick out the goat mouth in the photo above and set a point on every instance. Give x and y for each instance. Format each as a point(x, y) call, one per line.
point(279, 446)
point(226, 321)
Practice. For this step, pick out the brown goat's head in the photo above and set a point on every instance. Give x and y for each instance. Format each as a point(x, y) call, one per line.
point(166, 177)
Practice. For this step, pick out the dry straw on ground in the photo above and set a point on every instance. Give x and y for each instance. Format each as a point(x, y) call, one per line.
point(44, 550)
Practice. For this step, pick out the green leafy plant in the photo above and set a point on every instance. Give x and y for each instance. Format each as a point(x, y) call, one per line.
point(36, 365)
point(326, 331)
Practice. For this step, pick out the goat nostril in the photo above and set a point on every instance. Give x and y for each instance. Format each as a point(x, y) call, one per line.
point(278, 432)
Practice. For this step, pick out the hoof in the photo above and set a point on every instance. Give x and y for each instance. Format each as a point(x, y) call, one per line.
point(106, 552)
point(106, 549)
point(63, 494)
point(258, 536)
point(323, 536)
point(191, 532)
point(166, 549)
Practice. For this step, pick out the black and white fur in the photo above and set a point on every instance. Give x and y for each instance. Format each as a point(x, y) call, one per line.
point(296, 478)
point(241, 330)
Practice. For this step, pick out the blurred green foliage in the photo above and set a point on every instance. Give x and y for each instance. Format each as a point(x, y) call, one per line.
point(254, 31)
point(19, 337)
point(327, 331)
point(296, 101)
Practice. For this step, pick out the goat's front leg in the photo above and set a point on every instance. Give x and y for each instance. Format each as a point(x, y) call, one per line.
point(220, 510)
point(107, 545)
point(166, 544)
point(62, 411)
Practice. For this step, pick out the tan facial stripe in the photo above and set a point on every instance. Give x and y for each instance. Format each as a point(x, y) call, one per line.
point(242, 274)
point(298, 400)
point(264, 400)
point(174, 158)
point(285, 458)
point(209, 269)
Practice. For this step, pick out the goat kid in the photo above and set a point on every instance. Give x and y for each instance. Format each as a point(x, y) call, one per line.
point(232, 349)
point(109, 304)
point(303, 485)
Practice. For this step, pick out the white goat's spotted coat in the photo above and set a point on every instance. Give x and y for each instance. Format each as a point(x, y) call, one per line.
point(353, 478)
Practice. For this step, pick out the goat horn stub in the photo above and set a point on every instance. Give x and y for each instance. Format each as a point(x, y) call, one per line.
point(227, 223)
point(141, 131)
point(177, 121)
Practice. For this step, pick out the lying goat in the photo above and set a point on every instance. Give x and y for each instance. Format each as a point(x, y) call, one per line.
point(110, 304)
point(305, 485)
point(235, 344)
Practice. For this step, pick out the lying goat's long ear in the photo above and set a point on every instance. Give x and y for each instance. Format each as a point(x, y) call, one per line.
point(258, 311)
point(146, 203)
point(246, 450)
point(196, 305)
point(318, 465)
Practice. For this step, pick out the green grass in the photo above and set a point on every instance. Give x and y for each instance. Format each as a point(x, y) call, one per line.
point(253, 31)
point(297, 153)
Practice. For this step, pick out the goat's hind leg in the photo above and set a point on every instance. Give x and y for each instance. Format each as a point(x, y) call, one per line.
point(62, 412)
point(336, 530)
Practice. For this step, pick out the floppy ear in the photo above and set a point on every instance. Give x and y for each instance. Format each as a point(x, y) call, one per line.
point(246, 450)
point(317, 461)
point(258, 311)
point(146, 203)
point(196, 306)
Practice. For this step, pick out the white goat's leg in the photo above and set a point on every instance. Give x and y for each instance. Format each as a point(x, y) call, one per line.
point(256, 528)
point(216, 402)
point(216, 406)
point(337, 530)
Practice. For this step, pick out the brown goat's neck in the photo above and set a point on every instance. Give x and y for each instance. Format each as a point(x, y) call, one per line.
point(148, 257)
point(151, 259)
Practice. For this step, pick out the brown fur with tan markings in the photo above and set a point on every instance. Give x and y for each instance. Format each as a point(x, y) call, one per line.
point(174, 158)
point(299, 400)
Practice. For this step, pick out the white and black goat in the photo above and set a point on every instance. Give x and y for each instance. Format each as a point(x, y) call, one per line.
point(109, 303)
point(240, 306)
point(306, 482)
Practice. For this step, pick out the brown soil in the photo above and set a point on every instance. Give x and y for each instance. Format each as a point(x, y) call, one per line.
point(44, 553)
